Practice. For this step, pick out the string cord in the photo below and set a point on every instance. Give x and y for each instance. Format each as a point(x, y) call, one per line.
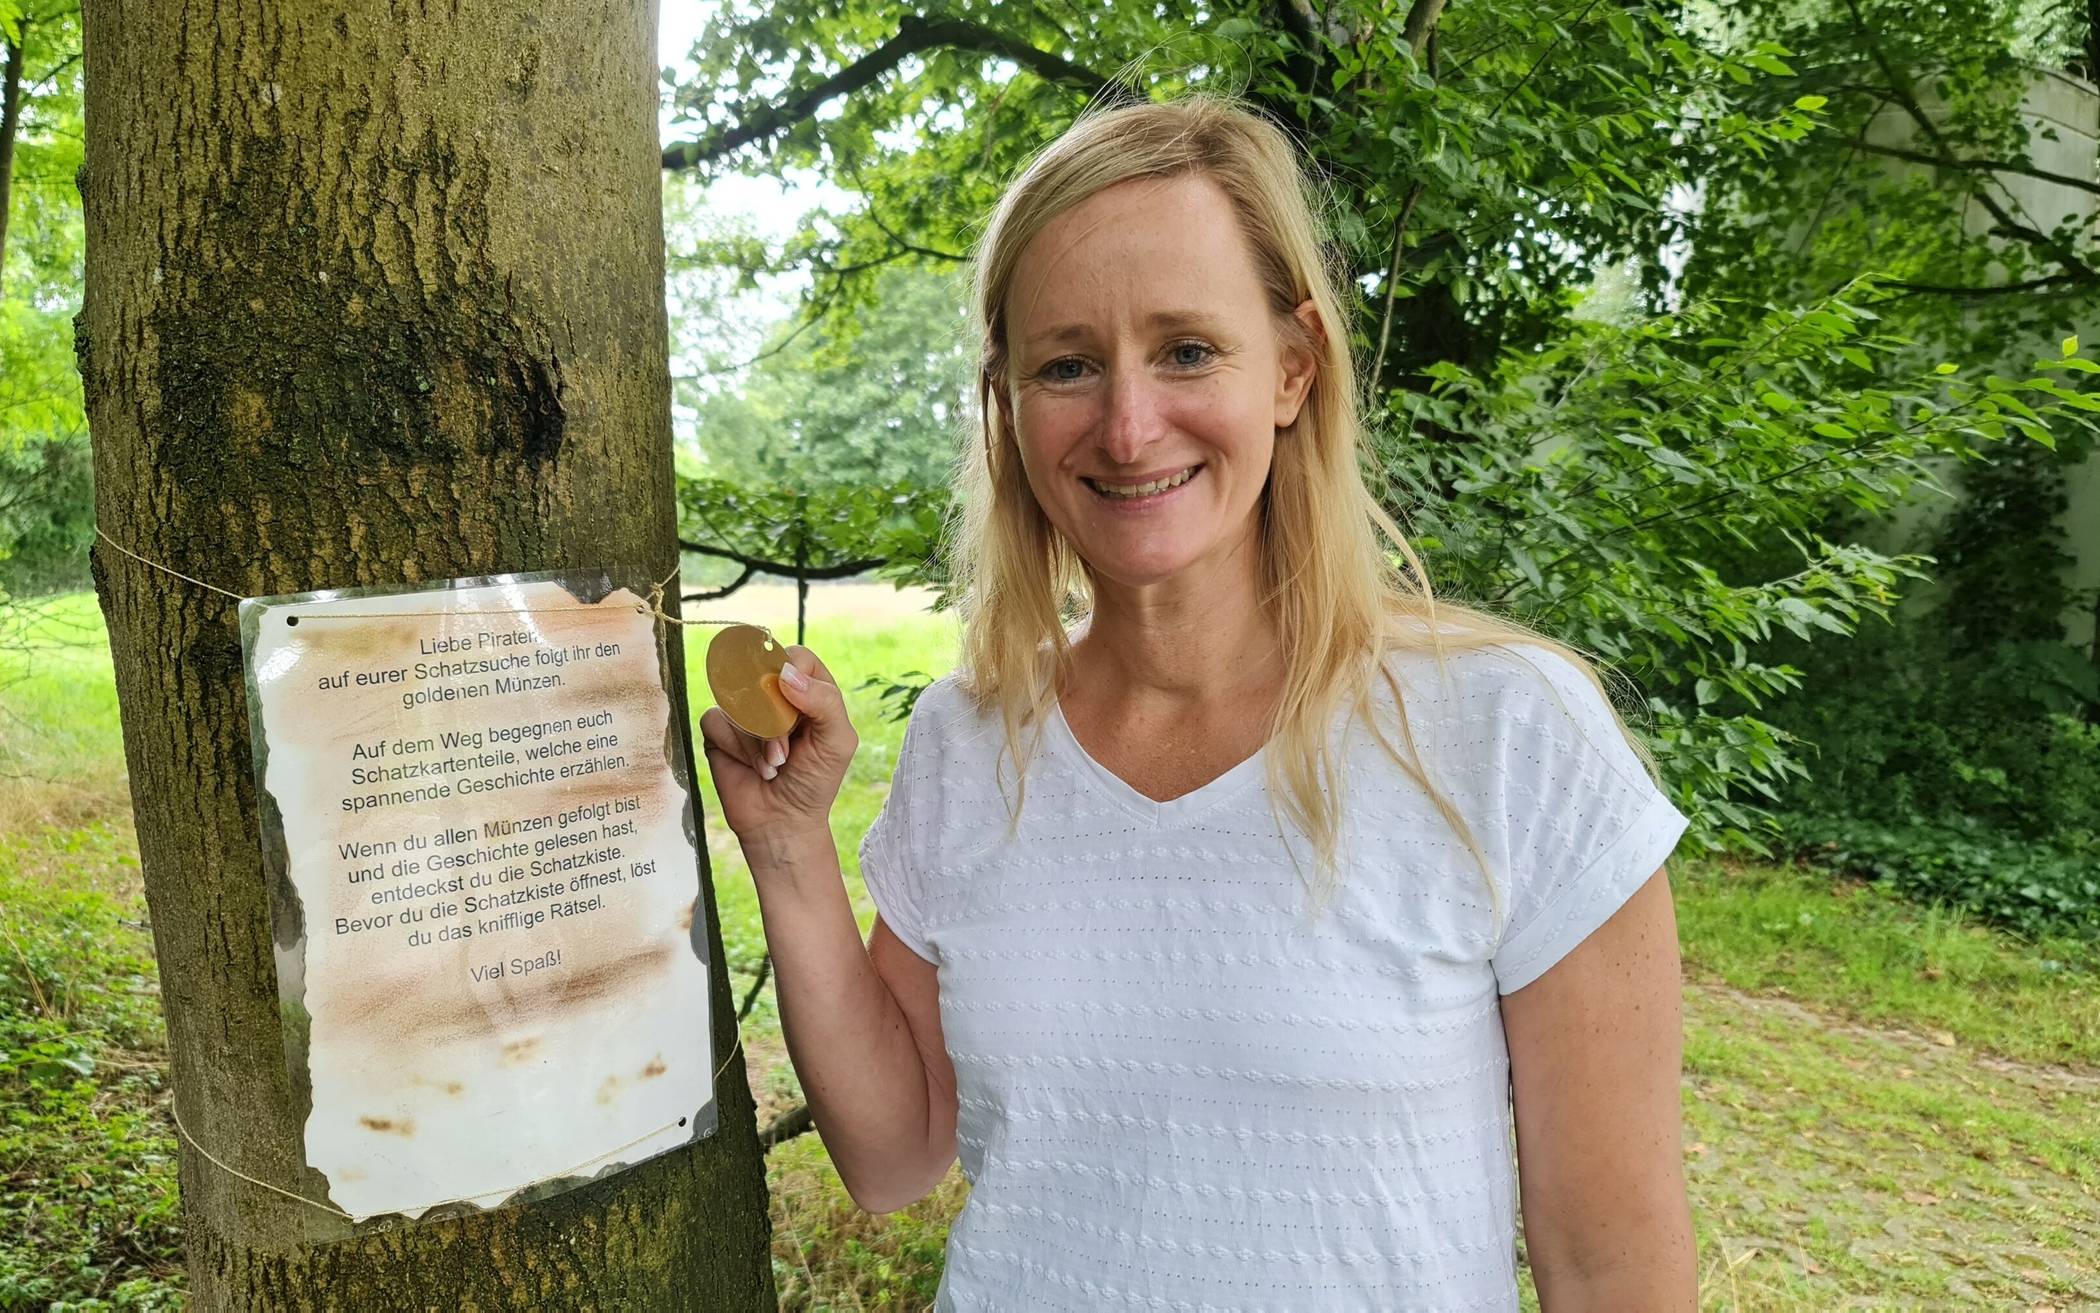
point(228, 592)
point(653, 607)
point(175, 1112)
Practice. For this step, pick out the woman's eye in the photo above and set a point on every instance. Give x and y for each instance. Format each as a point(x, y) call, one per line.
point(1182, 355)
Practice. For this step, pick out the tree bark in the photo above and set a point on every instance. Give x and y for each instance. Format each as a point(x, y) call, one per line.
point(10, 125)
point(374, 296)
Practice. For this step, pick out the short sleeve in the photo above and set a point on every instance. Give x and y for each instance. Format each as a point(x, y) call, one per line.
point(1585, 826)
point(893, 852)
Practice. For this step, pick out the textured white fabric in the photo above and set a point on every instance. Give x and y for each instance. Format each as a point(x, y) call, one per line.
point(1180, 1092)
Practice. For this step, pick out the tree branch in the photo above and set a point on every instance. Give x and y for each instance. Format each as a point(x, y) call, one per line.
point(1419, 28)
point(38, 83)
point(1392, 280)
point(2001, 289)
point(876, 218)
point(1684, 512)
point(1421, 21)
point(814, 317)
point(717, 594)
point(795, 1121)
point(1986, 166)
point(10, 123)
point(909, 247)
point(765, 968)
point(915, 34)
point(1298, 17)
point(787, 569)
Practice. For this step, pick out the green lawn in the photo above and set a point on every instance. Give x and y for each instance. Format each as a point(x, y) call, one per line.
point(1884, 1104)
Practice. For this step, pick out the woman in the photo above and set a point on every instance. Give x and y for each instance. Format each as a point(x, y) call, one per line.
point(1217, 934)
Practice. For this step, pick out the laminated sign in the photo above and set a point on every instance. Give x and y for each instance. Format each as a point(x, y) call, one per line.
point(477, 824)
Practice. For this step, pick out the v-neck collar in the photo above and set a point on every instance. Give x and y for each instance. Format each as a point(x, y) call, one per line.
point(1119, 791)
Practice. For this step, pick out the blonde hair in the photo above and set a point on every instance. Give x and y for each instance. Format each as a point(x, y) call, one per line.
point(1339, 602)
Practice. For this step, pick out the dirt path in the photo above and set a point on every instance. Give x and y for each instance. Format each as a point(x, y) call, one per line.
point(1835, 1165)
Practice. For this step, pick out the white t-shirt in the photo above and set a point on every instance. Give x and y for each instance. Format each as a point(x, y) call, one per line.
point(1180, 1092)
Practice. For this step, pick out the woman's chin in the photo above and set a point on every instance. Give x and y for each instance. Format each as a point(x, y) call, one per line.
point(1142, 569)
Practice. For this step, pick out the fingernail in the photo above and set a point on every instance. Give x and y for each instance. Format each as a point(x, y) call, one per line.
point(766, 772)
point(792, 677)
point(776, 752)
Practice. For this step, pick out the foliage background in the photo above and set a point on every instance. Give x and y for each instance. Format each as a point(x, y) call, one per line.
point(1672, 316)
point(1675, 317)
point(45, 494)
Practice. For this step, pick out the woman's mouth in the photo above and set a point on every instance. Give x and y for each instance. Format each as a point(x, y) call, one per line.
point(1137, 492)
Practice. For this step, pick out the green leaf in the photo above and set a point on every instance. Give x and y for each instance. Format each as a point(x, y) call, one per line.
point(1811, 103)
point(1526, 566)
point(2071, 345)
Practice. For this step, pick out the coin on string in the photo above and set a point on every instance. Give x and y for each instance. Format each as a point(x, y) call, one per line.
point(743, 669)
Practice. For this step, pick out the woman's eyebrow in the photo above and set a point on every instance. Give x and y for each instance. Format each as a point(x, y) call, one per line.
point(1159, 319)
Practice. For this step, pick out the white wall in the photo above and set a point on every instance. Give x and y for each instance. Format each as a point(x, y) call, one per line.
point(2063, 118)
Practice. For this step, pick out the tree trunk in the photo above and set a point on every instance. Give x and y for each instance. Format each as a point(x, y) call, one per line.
point(10, 125)
point(374, 295)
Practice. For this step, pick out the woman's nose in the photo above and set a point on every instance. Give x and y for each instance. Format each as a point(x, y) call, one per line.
point(1134, 419)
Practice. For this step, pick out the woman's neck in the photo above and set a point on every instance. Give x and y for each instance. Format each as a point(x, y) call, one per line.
point(1181, 643)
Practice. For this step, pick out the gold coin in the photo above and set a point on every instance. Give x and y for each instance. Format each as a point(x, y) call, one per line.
point(743, 669)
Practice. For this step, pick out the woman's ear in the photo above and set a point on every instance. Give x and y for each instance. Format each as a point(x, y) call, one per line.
point(1000, 422)
point(1005, 402)
point(1298, 362)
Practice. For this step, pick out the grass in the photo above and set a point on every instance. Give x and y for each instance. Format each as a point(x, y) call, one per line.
point(61, 754)
point(1837, 1166)
point(1860, 951)
point(87, 1161)
point(1884, 1104)
point(87, 1166)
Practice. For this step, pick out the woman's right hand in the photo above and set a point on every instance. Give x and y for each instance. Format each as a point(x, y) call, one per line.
point(775, 791)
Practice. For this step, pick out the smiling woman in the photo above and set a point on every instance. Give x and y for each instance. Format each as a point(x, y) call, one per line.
point(1234, 883)
point(1148, 402)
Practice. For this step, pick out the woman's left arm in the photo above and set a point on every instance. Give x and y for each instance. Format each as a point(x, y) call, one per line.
point(1596, 1055)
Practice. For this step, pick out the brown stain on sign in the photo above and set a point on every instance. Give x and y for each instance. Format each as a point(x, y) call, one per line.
point(395, 1007)
point(521, 1050)
point(622, 973)
point(655, 1068)
point(400, 1126)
